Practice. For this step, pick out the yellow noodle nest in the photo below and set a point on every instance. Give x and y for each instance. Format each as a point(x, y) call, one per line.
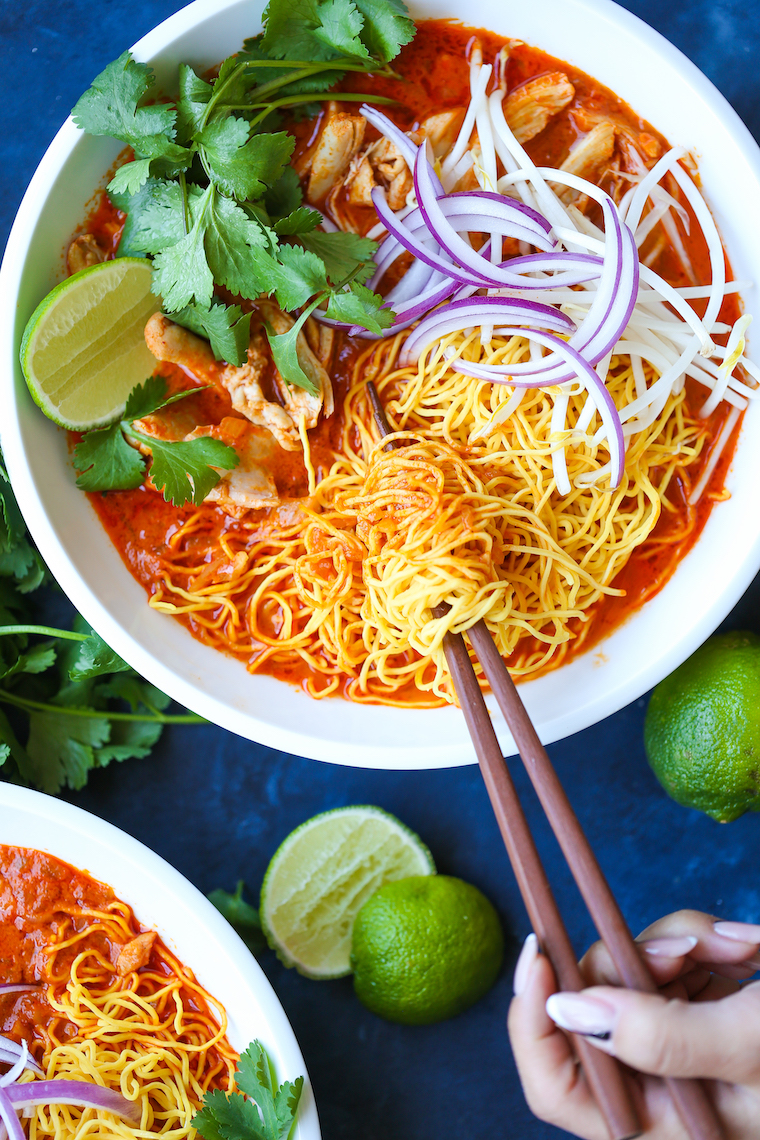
point(464, 511)
point(136, 1034)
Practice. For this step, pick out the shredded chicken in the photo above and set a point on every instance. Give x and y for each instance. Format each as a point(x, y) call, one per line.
point(83, 252)
point(589, 155)
point(382, 163)
point(250, 485)
point(135, 954)
point(340, 137)
point(529, 107)
point(173, 343)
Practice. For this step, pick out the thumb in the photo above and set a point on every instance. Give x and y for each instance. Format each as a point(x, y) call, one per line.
point(669, 1038)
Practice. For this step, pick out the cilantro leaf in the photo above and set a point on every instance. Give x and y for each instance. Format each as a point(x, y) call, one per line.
point(61, 748)
point(194, 95)
point(95, 658)
point(130, 687)
point(360, 306)
point(387, 27)
point(227, 328)
point(18, 558)
point(111, 105)
point(284, 348)
point(342, 254)
point(106, 461)
point(229, 1118)
point(181, 272)
point(243, 917)
point(127, 741)
point(129, 178)
point(278, 1106)
point(340, 28)
point(183, 471)
point(237, 249)
point(285, 195)
point(289, 31)
point(144, 399)
point(240, 166)
point(296, 278)
point(267, 1114)
point(300, 221)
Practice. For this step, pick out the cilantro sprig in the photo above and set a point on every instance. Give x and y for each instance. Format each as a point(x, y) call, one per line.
point(68, 702)
point(210, 195)
point(258, 1109)
point(241, 916)
point(182, 470)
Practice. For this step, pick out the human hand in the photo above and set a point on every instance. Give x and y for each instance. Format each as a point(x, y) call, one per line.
point(701, 1024)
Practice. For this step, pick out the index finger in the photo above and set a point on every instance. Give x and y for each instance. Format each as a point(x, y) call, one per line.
point(668, 954)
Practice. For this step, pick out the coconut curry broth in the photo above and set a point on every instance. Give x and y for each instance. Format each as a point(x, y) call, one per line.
point(434, 78)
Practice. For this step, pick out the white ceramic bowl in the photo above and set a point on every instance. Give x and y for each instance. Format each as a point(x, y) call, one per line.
point(186, 921)
point(662, 86)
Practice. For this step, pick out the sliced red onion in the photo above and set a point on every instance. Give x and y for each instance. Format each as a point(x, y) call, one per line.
point(82, 1094)
point(11, 1053)
point(16, 988)
point(447, 237)
point(584, 372)
point(9, 1117)
point(416, 246)
point(506, 311)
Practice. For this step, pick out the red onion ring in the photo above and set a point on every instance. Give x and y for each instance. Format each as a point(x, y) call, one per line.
point(80, 1093)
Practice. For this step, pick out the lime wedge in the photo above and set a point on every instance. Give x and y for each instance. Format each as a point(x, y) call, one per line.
point(83, 349)
point(320, 876)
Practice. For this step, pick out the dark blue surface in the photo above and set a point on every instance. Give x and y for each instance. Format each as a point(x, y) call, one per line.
point(216, 806)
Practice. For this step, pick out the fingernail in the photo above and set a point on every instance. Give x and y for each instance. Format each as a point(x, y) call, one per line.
point(528, 955)
point(738, 931)
point(670, 947)
point(585, 1015)
point(751, 963)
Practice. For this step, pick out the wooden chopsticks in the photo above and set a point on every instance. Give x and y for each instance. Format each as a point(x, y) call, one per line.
point(602, 1071)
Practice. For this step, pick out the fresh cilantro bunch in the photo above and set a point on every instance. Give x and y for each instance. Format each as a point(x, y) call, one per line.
point(266, 1111)
point(183, 470)
point(210, 196)
point(74, 702)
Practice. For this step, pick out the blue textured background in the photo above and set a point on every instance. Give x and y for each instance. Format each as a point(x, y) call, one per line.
point(218, 806)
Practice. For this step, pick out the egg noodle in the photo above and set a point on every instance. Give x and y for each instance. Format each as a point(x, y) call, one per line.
point(462, 509)
point(149, 1034)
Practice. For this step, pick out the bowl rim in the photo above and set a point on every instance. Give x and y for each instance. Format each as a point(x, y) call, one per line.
point(148, 877)
point(451, 746)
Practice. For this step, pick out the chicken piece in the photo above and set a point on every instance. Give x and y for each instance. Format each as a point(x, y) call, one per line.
point(243, 382)
point(321, 339)
point(383, 164)
point(250, 485)
point(529, 107)
point(135, 954)
point(298, 402)
point(83, 252)
point(589, 155)
point(178, 345)
point(339, 139)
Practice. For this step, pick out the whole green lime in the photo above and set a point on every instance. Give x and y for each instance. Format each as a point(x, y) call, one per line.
point(702, 729)
point(425, 948)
